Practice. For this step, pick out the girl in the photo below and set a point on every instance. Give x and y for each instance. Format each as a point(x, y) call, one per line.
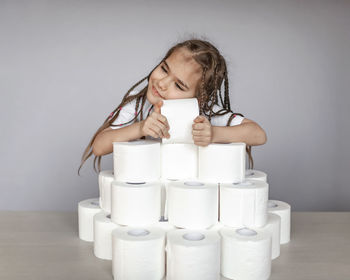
point(193, 68)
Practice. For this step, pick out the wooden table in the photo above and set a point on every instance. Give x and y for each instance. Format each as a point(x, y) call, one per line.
point(45, 245)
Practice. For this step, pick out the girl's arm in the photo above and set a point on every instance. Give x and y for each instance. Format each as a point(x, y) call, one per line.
point(248, 132)
point(103, 143)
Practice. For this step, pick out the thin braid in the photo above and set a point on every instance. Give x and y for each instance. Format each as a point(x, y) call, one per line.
point(202, 92)
point(142, 105)
point(251, 161)
point(226, 98)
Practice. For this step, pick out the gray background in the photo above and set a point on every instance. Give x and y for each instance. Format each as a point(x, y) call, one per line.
point(65, 65)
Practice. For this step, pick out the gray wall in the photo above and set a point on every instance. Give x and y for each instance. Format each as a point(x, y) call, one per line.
point(64, 66)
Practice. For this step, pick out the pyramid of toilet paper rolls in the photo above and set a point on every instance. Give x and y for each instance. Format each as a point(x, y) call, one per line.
point(176, 211)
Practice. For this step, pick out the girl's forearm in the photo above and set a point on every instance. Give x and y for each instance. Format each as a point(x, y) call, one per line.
point(103, 143)
point(250, 133)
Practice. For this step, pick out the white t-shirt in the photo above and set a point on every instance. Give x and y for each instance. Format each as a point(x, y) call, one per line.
point(127, 113)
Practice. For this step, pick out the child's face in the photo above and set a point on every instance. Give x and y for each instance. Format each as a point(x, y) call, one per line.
point(168, 80)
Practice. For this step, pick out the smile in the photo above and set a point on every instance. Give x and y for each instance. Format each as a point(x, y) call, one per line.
point(155, 92)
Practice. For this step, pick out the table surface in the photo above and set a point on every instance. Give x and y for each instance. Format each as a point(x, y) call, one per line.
point(45, 245)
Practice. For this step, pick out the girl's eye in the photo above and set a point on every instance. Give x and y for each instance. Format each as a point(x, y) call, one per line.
point(178, 86)
point(163, 68)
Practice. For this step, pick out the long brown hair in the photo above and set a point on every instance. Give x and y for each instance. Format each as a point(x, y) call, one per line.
point(208, 92)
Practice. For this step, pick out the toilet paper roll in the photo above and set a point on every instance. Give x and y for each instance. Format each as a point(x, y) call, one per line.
point(180, 124)
point(273, 226)
point(105, 179)
point(245, 253)
point(244, 204)
point(86, 211)
point(136, 161)
point(283, 210)
point(193, 255)
point(138, 253)
point(136, 204)
point(179, 161)
point(251, 174)
point(103, 227)
point(222, 163)
point(192, 204)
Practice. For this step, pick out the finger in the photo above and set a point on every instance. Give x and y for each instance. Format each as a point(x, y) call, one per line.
point(166, 122)
point(159, 117)
point(157, 130)
point(151, 133)
point(203, 133)
point(198, 126)
point(201, 139)
point(157, 106)
point(196, 132)
point(202, 144)
point(199, 119)
point(163, 128)
point(163, 120)
point(198, 138)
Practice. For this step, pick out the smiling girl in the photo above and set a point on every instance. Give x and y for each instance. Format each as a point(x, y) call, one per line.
point(190, 69)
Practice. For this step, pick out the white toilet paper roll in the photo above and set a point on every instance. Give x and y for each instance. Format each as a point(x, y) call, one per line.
point(105, 179)
point(136, 204)
point(251, 174)
point(86, 211)
point(244, 204)
point(192, 204)
point(180, 124)
point(179, 161)
point(283, 210)
point(136, 161)
point(273, 226)
point(138, 253)
point(103, 227)
point(222, 163)
point(245, 253)
point(193, 254)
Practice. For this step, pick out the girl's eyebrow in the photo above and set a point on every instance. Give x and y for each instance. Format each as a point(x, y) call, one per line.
point(181, 82)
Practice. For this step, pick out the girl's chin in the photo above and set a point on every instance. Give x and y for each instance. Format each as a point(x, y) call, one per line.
point(152, 99)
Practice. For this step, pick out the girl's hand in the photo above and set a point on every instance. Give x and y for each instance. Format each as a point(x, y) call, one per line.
point(156, 125)
point(202, 131)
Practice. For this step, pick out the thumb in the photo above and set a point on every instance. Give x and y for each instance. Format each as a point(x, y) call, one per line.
point(157, 106)
point(199, 119)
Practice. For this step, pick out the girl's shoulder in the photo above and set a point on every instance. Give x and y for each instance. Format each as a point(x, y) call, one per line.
point(128, 112)
point(223, 117)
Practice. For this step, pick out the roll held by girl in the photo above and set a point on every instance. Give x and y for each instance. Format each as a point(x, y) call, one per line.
point(190, 69)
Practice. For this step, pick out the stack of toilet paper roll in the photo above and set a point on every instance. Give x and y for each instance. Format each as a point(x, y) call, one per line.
point(173, 209)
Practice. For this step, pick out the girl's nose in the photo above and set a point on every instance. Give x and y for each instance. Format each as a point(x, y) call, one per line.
point(164, 83)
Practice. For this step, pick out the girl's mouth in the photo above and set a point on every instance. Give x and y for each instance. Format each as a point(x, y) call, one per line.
point(155, 92)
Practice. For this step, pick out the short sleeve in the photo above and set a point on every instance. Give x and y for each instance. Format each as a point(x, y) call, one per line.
point(126, 114)
point(221, 120)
